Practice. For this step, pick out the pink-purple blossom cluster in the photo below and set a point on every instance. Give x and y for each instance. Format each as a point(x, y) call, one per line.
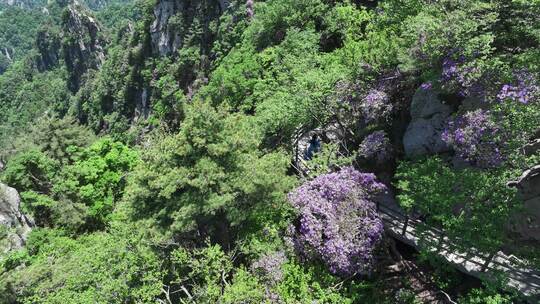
point(269, 266)
point(376, 106)
point(426, 85)
point(466, 79)
point(475, 138)
point(449, 69)
point(376, 146)
point(525, 90)
point(249, 9)
point(338, 223)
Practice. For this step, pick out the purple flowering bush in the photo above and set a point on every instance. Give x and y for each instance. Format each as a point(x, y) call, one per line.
point(338, 223)
point(375, 106)
point(525, 90)
point(376, 146)
point(249, 9)
point(269, 266)
point(449, 69)
point(428, 85)
point(467, 79)
point(475, 138)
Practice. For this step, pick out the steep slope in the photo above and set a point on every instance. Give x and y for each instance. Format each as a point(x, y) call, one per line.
point(83, 45)
point(235, 151)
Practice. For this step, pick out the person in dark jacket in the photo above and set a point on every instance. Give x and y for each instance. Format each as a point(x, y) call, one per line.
point(314, 147)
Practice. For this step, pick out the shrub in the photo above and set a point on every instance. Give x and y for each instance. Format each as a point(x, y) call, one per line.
point(337, 220)
point(475, 138)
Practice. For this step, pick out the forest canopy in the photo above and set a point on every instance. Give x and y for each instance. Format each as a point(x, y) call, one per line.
point(174, 151)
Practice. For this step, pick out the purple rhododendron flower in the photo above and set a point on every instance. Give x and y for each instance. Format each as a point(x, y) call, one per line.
point(466, 79)
point(525, 90)
point(475, 138)
point(269, 266)
point(449, 69)
point(376, 146)
point(426, 85)
point(338, 223)
point(249, 9)
point(376, 106)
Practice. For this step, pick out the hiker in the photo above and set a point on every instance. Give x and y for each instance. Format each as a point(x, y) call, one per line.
point(314, 147)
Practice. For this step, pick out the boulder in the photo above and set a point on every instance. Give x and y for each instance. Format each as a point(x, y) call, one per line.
point(428, 119)
point(527, 222)
point(528, 183)
point(532, 147)
point(16, 225)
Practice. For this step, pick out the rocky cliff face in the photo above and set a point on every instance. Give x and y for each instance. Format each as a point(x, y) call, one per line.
point(82, 44)
point(48, 44)
point(175, 20)
point(15, 225)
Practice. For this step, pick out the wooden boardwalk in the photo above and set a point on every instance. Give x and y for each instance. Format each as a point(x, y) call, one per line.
point(483, 266)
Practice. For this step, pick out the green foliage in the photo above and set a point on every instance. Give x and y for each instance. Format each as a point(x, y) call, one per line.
point(207, 275)
point(481, 296)
point(275, 17)
point(117, 14)
point(286, 85)
point(329, 159)
point(59, 139)
point(209, 125)
point(471, 205)
point(307, 284)
point(447, 27)
point(95, 179)
point(82, 193)
point(18, 29)
point(96, 268)
point(244, 288)
point(31, 170)
point(25, 96)
point(209, 173)
point(521, 121)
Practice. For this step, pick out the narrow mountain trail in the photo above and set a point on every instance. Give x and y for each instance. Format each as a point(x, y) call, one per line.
point(477, 264)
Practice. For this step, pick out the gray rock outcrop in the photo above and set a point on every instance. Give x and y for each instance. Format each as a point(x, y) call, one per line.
point(527, 223)
point(83, 47)
point(428, 116)
point(533, 146)
point(175, 18)
point(528, 183)
point(15, 225)
point(48, 45)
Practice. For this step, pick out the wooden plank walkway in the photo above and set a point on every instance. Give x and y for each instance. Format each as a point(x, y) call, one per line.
point(483, 266)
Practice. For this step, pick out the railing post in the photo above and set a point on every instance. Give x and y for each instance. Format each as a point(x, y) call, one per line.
point(405, 225)
point(296, 153)
point(441, 240)
point(488, 260)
